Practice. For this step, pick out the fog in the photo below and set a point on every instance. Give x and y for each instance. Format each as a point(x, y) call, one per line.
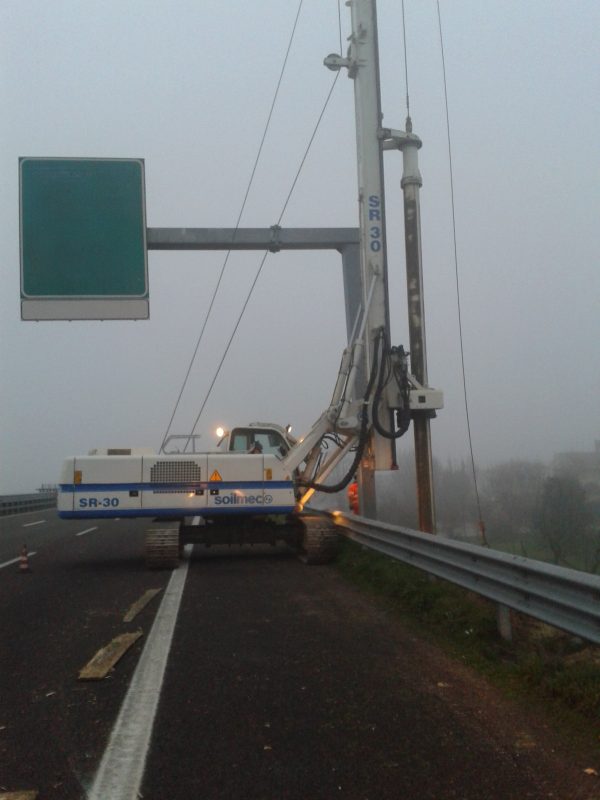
point(187, 86)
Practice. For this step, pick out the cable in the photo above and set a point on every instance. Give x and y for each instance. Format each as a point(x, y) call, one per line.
point(310, 141)
point(224, 356)
point(339, 10)
point(462, 354)
point(237, 224)
point(264, 258)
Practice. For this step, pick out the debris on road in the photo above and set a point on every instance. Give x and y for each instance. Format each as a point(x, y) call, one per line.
point(106, 658)
point(140, 604)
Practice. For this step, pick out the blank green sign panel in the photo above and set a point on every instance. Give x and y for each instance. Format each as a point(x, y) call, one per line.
point(83, 239)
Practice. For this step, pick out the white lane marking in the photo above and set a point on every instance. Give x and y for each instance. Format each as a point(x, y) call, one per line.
point(87, 530)
point(121, 770)
point(29, 524)
point(14, 560)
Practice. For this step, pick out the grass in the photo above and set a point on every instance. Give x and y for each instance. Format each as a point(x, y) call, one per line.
point(541, 663)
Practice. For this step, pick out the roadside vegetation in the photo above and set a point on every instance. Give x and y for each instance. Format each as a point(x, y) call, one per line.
point(549, 512)
point(541, 663)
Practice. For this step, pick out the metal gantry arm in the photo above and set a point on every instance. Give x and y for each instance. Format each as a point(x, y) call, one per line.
point(309, 444)
point(342, 416)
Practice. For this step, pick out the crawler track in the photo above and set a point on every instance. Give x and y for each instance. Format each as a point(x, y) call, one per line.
point(320, 540)
point(161, 547)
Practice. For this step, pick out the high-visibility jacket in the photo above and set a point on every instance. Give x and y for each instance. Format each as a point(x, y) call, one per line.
point(353, 497)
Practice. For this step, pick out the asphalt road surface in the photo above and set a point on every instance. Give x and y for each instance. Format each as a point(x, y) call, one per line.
point(256, 677)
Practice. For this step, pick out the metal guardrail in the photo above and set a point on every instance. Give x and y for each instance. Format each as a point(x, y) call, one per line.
point(565, 598)
point(21, 503)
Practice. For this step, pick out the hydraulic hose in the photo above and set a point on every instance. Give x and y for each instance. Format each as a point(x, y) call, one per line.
point(403, 415)
point(362, 436)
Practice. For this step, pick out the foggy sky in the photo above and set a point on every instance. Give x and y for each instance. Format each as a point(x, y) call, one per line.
point(187, 86)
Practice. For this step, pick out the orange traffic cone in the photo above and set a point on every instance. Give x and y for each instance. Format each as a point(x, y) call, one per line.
point(24, 560)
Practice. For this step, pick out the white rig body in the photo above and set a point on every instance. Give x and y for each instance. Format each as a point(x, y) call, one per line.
point(207, 485)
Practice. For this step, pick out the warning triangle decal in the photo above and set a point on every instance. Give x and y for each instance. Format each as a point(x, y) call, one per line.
point(216, 476)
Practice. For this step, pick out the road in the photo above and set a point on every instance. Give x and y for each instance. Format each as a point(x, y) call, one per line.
point(270, 679)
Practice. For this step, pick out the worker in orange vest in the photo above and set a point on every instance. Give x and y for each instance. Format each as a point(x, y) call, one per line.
point(353, 497)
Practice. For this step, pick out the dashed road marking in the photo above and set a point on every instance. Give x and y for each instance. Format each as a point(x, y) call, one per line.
point(30, 524)
point(14, 560)
point(87, 530)
point(121, 770)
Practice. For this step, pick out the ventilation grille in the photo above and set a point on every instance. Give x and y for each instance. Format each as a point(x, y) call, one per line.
point(175, 472)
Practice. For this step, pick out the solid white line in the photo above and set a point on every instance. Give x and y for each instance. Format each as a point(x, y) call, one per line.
point(29, 524)
point(14, 560)
point(87, 530)
point(121, 770)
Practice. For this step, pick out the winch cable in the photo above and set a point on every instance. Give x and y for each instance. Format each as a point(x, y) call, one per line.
point(237, 224)
point(264, 258)
point(458, 302)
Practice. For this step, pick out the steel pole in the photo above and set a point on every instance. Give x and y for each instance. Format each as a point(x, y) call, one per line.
point(363, 65)
point(411, 185)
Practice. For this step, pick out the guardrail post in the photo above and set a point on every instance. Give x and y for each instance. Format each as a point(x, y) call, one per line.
point(564, 598)
point(504, 623)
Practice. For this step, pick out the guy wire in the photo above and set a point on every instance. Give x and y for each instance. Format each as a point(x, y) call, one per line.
point(237, 224)
point(264, 258)
point(460, 333)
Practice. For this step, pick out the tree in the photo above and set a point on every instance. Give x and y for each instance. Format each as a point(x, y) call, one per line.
point(510, 494)
point(562, 519)
point(456, 504)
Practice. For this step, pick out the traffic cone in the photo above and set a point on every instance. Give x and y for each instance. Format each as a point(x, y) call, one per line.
point(24, 560)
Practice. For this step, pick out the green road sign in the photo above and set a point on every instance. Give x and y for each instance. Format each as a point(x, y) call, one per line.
point(83, 239)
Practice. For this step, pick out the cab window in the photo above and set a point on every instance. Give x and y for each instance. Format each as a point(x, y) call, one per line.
point(239, 442)
point(272, 442)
